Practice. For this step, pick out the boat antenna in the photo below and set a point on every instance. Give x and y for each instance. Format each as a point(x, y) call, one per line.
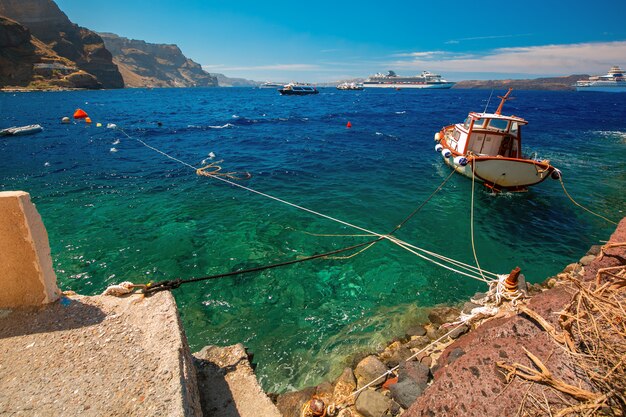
point(504, 98)
point(488, 100)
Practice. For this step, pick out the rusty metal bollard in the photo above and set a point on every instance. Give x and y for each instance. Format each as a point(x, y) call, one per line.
point(510, 283)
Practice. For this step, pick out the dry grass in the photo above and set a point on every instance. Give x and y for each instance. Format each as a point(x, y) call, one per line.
point(593, 332)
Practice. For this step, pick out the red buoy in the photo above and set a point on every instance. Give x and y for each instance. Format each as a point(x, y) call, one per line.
point(349, 125)
point(80, 114)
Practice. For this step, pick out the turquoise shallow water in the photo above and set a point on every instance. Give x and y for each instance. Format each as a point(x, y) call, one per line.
point(116, 210)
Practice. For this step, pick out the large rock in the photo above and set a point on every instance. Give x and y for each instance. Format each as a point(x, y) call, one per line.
point(372, 403)
point(414, 371)
point(79, 45)
point(441, 315)
point(228, 386)
point(370, 369)
point(405, 392)
point(394, 354)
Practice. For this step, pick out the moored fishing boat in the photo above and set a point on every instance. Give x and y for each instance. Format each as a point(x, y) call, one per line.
point(298, 89)
point(488, 148)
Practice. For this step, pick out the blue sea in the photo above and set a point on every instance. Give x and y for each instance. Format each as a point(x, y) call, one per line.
point(116, 210)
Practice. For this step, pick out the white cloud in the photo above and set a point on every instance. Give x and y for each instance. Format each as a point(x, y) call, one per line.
point(425, 54)
point(548, 59)
point(481, 38)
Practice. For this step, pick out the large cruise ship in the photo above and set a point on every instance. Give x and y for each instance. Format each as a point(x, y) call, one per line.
point(613, 82)
point(392, 80)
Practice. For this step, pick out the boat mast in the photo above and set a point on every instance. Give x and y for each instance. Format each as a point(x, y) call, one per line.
point(505, 98)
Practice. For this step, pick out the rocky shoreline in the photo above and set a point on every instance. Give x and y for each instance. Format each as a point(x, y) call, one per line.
point(415, 387)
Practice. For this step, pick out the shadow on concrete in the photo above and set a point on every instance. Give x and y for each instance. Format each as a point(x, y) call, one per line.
point(64, 314)
point(216, 399)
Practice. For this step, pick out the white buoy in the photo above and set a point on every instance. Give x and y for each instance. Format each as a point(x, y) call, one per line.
point(460, 160)
point(438, 147)
point(438, 136)
point(65, 120)
point(111, 125)
point(446, 153)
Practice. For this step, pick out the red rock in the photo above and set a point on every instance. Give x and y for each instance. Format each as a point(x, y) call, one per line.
point(390, 382)
point(471, 384)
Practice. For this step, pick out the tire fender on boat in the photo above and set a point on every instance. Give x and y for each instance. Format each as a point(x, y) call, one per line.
point(438, 147)
point(446, 153)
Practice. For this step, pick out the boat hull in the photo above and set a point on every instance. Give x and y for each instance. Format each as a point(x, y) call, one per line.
point(297, 93)
point(509, 174)
point(603, 89)
point(441, 86)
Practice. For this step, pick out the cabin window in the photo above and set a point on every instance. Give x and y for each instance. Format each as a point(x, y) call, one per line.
point(479, 123)
point(499, 124)
point(467, 122)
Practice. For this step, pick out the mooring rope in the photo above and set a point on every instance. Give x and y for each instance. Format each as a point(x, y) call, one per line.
point(580, 205)
point(175, 283)
point(472, 220)
point(405, 245)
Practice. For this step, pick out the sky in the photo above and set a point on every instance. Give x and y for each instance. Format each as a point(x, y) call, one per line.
point(326, 41)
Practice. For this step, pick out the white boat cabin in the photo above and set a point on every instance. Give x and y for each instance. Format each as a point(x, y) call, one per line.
point(490, 134)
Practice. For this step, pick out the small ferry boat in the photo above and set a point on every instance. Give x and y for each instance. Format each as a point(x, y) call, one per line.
point(22, 130)
point(391, 80)
point(350, 86)
point(488, 147)
point(298, 89)
point(614, 82)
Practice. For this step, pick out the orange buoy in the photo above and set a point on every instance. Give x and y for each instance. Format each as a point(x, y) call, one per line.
point(80, 114)
point(349, 125)
point(87, 119)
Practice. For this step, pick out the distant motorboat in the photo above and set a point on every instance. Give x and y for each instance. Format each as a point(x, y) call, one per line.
point(488, 147)
point(298, 89)
point(22, 130)
point(350, 86)
point(613, 82)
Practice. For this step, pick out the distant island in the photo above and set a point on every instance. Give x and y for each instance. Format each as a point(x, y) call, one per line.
point(550, 83)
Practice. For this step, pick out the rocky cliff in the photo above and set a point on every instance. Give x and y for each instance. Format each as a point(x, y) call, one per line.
point(550, 83)
point(80, 46)
point(26, 62)
point(225, 81)
point(144, 64)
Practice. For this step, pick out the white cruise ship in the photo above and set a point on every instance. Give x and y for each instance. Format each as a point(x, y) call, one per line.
point(392, 80)
point(613, 82)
